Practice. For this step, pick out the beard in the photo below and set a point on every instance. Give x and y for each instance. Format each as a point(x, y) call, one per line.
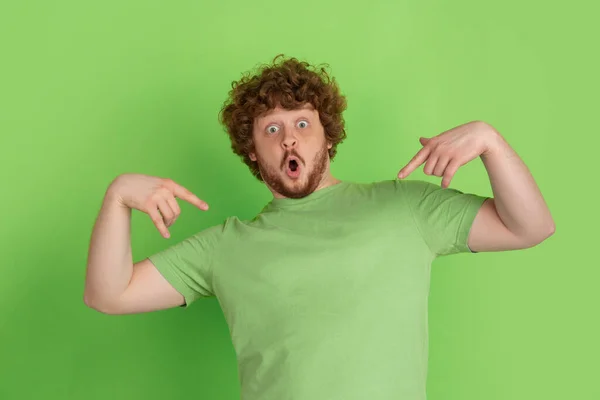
point(295, 188)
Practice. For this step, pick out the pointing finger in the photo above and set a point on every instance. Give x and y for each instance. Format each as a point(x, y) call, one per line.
point(417, 160)
point(183, 193)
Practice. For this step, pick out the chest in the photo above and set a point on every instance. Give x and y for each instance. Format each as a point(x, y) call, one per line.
point(313, 270)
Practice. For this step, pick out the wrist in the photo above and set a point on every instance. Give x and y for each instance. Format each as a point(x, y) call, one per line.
point(113, 198)
point(494, 142)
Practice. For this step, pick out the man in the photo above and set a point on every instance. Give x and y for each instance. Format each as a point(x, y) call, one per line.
point(325, 290)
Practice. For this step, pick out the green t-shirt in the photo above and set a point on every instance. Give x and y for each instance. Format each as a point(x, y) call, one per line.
point(326, 296)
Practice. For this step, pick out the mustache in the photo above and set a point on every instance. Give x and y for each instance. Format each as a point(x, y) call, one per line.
point(291, 153)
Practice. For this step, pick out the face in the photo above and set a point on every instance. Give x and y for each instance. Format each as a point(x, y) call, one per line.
point(291, 151)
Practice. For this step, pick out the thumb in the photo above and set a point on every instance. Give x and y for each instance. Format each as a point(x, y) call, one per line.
point(424, 140)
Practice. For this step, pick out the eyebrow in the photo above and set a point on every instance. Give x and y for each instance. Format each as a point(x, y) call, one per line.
point(278, 121)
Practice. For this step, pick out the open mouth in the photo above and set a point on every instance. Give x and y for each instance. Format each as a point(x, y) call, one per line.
point(293, 168)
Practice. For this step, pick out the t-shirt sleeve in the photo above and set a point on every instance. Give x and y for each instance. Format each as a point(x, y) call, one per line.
point(188, 265)
point(443, 216)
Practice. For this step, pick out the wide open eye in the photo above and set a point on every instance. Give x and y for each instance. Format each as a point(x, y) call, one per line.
point(272, 129)
point(303, 124)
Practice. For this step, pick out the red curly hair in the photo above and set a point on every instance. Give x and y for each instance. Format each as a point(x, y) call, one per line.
point(287, 83)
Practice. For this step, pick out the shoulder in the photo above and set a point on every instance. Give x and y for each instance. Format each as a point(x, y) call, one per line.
point(381, 194)
point(209, 237)
point(398, 187)
point(419, 189)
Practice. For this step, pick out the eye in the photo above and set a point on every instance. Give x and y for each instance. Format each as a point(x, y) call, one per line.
point(272, 129)
point(303, 124)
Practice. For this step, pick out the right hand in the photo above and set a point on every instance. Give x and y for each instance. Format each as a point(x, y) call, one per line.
point(153, 196)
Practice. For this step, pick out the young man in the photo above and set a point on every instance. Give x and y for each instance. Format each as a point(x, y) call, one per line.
point(325, 290)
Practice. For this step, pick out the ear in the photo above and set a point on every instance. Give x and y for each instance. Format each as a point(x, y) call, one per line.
point(252, 156)
point(329, 145)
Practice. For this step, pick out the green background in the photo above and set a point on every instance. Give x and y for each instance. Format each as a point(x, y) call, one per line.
point(90, 90)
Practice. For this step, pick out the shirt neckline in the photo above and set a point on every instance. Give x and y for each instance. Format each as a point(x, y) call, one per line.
point(317, 194)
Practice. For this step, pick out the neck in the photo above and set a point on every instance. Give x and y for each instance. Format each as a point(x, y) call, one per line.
point(327, 181)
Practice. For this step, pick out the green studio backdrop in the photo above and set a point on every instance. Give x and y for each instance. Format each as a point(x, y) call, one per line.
point(90, 90)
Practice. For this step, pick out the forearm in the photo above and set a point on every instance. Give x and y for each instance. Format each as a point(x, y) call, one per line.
point(518, 200)
point(110, 263)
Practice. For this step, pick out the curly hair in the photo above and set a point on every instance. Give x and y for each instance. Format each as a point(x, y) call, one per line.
point(288, 83)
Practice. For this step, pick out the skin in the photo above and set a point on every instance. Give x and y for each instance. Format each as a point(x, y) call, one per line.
point(517, 217)
point(282, 133)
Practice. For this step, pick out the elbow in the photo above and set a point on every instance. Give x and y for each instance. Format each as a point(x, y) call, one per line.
point(92, 303)
point(538, 238)
point(552, 229)
point(549, 231)
point(100, 306)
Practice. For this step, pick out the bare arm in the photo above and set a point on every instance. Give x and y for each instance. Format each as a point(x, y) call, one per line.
point(518, 216)
point(114, 284)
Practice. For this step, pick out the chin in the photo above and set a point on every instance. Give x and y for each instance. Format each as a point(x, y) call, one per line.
point(294, 183)
point(307, 181)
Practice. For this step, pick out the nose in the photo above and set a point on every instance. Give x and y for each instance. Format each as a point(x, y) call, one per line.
point(289, 139)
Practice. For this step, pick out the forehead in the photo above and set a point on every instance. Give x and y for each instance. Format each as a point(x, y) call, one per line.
point(279, 112)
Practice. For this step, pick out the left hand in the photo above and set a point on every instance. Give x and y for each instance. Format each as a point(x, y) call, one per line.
point(445, 153)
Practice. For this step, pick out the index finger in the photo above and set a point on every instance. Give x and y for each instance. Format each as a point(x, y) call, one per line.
point(417, 160)
point(183, 193)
